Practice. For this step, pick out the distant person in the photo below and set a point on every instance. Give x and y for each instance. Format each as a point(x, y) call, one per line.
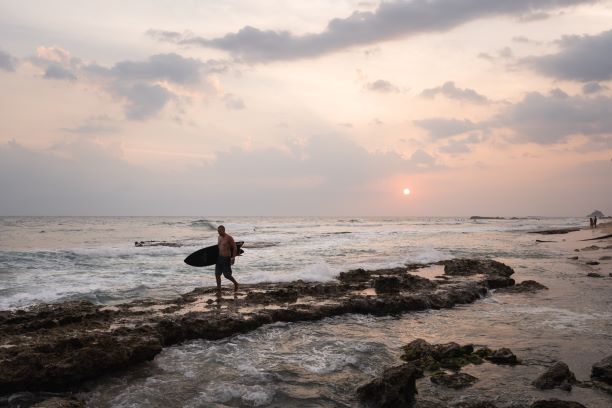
point(591, 222)
point(227, 255)
point(595, 222)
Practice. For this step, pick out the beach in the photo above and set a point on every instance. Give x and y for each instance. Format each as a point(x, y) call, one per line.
point(321, 342)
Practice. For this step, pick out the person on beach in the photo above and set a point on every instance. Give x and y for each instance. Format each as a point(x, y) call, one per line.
point(595, 222)
point(227, 255)
point(591, 221)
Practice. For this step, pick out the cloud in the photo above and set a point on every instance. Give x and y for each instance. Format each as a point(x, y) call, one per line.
point(592, 87)
point(59, 72)
point(147, 86)
point(93, 126)
point(389, 21)
point(7, 62)
point(581, 58)
point(88, 178)
point(143, 100)
point(169, 67)
point(521, 39)
point(538, 118)
point(449, 90)
point(553, 118)
point(441, 128)
point(381, 85)
point(233, 102)
point(460, 146)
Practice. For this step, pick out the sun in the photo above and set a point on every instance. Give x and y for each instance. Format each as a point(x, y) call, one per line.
point(406, 191)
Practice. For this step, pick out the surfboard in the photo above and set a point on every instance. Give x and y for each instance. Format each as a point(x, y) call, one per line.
point(208, 256)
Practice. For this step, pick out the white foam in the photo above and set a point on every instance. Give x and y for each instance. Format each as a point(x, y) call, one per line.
point(320, 272)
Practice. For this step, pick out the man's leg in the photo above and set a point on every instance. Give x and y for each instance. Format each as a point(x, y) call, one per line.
point(228, 275)
point(235, 283)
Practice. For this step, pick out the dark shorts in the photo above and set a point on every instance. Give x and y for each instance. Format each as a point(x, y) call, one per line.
point(224, 266)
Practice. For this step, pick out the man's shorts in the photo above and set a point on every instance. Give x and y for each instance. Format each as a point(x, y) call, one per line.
point(224, 266)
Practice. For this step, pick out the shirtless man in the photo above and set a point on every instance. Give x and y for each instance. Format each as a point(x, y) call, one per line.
point(227, 255)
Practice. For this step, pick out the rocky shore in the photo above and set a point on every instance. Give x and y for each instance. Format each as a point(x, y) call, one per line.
point(57, 347)
point(442, 364)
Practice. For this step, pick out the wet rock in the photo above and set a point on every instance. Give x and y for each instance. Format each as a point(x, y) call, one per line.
point(426, 403)
point(432, 357)
point(594, 275)
point(573, 258)
point(356, 275)
point(592, 263)
point(503, 356)
point(387, 284)
point(273, 296)
point(414, 282)
point(73, 360)
point(528, 286)
point(468, 267)
point(395, 388)
point(556, 376)
point(475, 404)
point(496, 282)
point(555, 231)
point(556, 403)
point(57, 402)
point(605, 258)
point(602, 370)
point(590, 248)
point(455, 380)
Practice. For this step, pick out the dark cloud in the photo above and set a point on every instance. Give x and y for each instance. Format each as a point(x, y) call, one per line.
point(449, 90)
point(58, 72)
point(553, 118)
point(138, 82)
point(593, 87)
point(143, 100)
point(390, 20)
point(169, 67)
point(440, 128)
point(581, 58)
point(382, 85)
point(541, 119)
point(7, 62)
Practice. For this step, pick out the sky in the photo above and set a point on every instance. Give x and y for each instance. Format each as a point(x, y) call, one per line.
point(279, 107)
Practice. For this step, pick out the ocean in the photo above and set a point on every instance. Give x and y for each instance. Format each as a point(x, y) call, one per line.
point(53, 259)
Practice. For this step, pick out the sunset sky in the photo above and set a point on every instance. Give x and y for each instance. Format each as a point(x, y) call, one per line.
point(278, 107)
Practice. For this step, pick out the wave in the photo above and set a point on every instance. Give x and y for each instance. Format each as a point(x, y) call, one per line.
point(320, 272)
point(260, 244)
point(205, 223)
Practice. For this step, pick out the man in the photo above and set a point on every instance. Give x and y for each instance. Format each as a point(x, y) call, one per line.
point(227, 256)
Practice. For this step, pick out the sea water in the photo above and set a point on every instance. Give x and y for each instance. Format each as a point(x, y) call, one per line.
point(51, 259)
point(316, 364)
